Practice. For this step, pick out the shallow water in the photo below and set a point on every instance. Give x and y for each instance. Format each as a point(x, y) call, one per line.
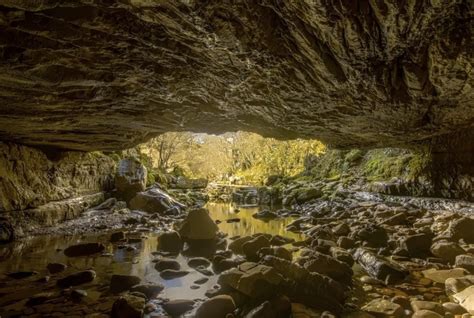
point(35, 253)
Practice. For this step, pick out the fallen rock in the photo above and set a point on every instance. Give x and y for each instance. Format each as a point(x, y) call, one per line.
point(465, 298)
point(155, 200)
point(198, 225)
point(172, 273)
point(170, 242)
point(251, 248)
point(441, 275)
point(84, 249)
point(121, 283)
point(417, 245)
point(178, 307)
point(383, 308)
point(128, 306)
point(54, 268)
point(216, 307)
point(462, 229)
point(447, 250)
point(76, 279)
point(465, 261)
point(130, 178)
point(454, 285)
point(167, 263)
point(328, 266)
point(149, 290)
point(378, 267)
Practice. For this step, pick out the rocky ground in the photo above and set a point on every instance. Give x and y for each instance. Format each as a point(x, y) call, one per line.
point(360, 255)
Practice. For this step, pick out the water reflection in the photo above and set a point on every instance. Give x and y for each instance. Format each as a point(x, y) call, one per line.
point(35, 253)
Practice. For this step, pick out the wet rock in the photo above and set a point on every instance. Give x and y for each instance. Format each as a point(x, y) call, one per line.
point(155, 200)
point(170, 242)
point(279, 240)
point(465, 261)
point(418, 305)
point(172, 273)
point(372, 235)
point(341, 229)
point(121, 283)
point(128, 306)
point(465, 298)
point(462, 229)
point(76, 279)
point(22, 274)
point(149, 290)
point(201, 281)
point(379, 268)
point(237, 245)
point(311, 289)
point(220, 263)
point(198, 261)
point(265, 215)
point(251, 248)
point(397, 219)
point(130, 178)
point(178, 307)
point(85, 249)
point(7, 232)
point(117, 236)
point(167, 263)
point(446, 250)
point(342, 255)
point(345, 242)
point(198, 225)
point(453, 308)
point(417, 245)
point(276, 251)
point(254, 280)
point(454, 285)
point(328, 266)
point(441, 275)
point(54, 268)
point(383, 308)
point(217, 307)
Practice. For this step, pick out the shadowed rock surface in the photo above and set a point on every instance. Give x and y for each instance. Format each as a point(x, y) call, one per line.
point(104, 75)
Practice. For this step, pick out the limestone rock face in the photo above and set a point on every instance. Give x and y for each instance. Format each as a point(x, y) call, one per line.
point(30, 179)
point(103, 75)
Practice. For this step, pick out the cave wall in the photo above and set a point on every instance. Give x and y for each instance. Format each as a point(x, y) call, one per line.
point(51, 183)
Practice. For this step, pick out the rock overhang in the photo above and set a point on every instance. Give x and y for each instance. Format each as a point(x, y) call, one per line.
point(106, 75)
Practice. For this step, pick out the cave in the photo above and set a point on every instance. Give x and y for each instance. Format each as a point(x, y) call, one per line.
point(236, 158)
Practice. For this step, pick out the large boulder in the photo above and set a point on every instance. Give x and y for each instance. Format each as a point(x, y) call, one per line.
point(462, 229)
point(328, 266)
point(170, 242)
point(128, 306)
point(216, 307)
point(155, 200)
point(198, 225)
point(447, 250)
point(130, 178)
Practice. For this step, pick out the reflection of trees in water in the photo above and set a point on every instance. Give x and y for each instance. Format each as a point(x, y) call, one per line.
point(248, 225)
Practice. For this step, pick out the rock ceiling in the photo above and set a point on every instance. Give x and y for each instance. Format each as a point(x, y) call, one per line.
point(107, 74)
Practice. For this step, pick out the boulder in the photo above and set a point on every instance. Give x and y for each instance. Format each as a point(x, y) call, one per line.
point(447, 250)
point(198, 225)
point(425, 313)
point(149, 290)
point(172, 273)
point(276, 251)
point(462, 229)
point(278, 307)
point(453, 308)
point(454, 285)
point(216, 307)
point(328, 266)
point(170, 242)
point(265, 215)
point(128, 306)
point(379, 267)
point(465, 261)
point(383, 308)
point(121, 283)
point(76, 279)
point(372, 235)
point(130, 178)
point(417, 245)
point(236, 246)
point(303, 195)
point(441, 275)
point(466, 299)
point(155, 200)
point(252, 247)
point(54, 268)
point(178, 307)
point(198, 261)
point(252, 279)
point(167, 263)
point(84, 249)
point(117, 236)
point(418, 305)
